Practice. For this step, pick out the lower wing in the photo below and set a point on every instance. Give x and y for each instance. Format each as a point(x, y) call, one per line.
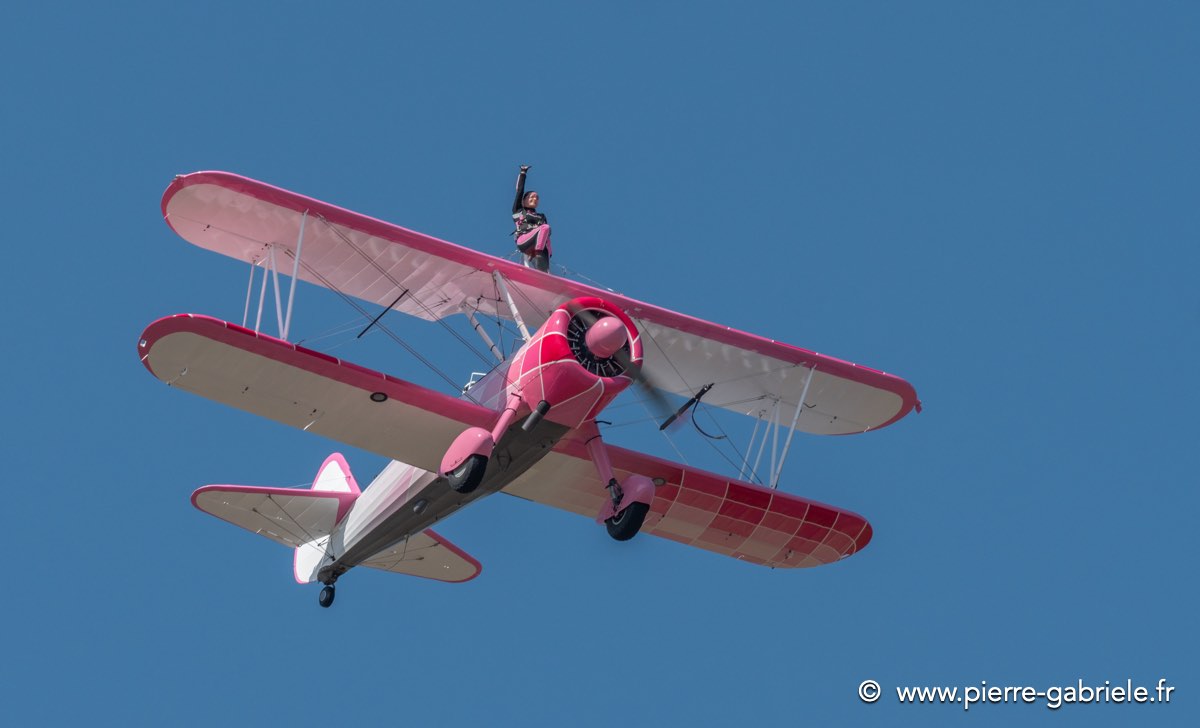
point(693, 507)
point(406, 422)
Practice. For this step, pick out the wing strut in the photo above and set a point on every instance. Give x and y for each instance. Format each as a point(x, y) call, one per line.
point(484, 335)
point(270, 265)
point(792, 430)
point(287, 321)
point(249, 292)
point(771, 431)
point(754, 434)
point(262, 295)
point(512, 305)
point(278, 304)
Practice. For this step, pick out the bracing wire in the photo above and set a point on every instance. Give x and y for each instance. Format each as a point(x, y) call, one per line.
point(415, 299)
point(392, 335)
point(711, 440)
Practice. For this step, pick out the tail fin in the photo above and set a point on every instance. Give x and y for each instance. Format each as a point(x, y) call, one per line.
point(334, 477)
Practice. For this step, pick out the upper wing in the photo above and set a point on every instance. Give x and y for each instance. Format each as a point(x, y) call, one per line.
point(348, 252)
point(377, 261)
point(701, 509)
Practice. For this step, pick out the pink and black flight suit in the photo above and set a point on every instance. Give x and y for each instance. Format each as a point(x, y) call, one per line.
point(533, 231)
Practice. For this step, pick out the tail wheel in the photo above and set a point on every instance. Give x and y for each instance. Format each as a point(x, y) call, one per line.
point(326, 597)
point(467, 476)
point(628, 522)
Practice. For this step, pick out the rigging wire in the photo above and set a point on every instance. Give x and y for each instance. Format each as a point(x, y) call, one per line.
point(577, 274)
point(709, 439)
point(271, 499)
point(335, 330)
point(392, 335)
point(665, 434)
point(721, 405)
point(416, 299)
point(512, 285)
point(753, 476)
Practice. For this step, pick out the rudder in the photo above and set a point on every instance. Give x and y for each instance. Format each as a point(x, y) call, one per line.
point(334, 476)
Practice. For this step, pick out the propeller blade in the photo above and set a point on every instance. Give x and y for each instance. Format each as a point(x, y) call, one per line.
point(679, 412)
point(653, 395)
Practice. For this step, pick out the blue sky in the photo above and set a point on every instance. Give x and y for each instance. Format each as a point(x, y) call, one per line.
point(996, 203)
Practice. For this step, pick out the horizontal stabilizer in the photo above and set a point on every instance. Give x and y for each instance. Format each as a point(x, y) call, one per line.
point(285, 515)
point(428, 555)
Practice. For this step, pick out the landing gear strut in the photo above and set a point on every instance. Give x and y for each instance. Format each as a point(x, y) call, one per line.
point(629, 503)
point(465, 463)
point(615, 492)
point(325, 599)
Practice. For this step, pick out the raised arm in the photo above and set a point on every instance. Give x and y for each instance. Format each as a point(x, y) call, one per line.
point(520, 188)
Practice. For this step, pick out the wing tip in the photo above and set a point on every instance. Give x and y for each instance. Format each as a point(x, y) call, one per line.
point(471, 560)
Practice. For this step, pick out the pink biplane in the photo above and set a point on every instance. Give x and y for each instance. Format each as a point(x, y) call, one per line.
point(528, 427)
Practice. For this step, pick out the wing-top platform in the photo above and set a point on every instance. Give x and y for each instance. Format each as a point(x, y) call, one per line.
point(376, 261)
point(262, 374)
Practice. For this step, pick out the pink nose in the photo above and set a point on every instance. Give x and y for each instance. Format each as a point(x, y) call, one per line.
point(605, 337)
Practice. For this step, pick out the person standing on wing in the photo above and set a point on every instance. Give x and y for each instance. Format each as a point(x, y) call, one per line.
point(533, 231)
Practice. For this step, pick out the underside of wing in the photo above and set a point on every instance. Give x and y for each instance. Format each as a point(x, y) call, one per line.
point(286, 516)
point(306, 389)
point(427, 555)
point(742, 520)
point(768, 380)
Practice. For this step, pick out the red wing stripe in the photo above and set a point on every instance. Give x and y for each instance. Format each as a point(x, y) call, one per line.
point(743, 520)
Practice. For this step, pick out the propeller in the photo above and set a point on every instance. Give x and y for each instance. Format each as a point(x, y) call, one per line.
point(679, 412)
point(601, 344)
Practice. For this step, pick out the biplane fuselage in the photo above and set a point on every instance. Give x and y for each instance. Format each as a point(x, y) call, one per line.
point(528, 428)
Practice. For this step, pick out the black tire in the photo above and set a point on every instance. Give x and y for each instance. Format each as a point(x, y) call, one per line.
point(467, 476)
point(325, 599)
point(626, 524)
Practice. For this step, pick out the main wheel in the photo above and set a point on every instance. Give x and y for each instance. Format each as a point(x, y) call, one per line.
point(628, 522)
point(326, 597)
point(467, 476)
